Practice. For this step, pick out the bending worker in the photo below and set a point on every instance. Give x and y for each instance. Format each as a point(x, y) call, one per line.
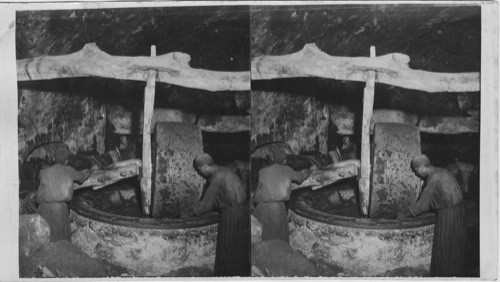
point(442, 194)
point(56, 188)
point(227, 193)
point(273, 190)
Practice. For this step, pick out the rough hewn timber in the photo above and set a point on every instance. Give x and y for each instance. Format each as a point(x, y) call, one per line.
point(392, 69)
point(330, 174)
point(172, 68)
point(345, 120)
point(112, 174)
point(449, 125)
point(224, 124)
point(147, 164)
point(364, 180)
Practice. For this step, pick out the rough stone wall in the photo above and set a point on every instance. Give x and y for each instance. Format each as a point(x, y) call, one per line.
point(146, 252)
point(363, 252)
point(44, 117)
point(300, 121)
point(126, 121)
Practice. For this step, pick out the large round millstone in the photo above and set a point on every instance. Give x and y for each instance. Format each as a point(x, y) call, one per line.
point(394, 185)
point(177, 186)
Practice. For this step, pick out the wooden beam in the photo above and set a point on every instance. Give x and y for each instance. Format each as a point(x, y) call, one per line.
point(147, 164)
point(111, 174)
point(392, 69)
point(364, 180)
point(224, 124)
point(326, 176)
point(449, 125)
point(172, 68)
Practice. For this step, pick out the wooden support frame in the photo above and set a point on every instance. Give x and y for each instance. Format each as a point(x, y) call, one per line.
point(174, 68)
point(368, 98)
point(391, 69)
point(147, 164)
point(91, 61)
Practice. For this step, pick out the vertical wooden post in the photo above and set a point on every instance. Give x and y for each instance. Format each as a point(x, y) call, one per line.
point(147, 164)
point(364, 181)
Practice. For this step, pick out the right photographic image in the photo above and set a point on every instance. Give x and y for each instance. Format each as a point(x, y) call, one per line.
point(365, 140)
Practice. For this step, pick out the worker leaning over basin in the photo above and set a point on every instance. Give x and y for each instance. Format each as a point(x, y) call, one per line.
point(227, 193)
point(273, 190)
point(55, 190)
point(442, 194)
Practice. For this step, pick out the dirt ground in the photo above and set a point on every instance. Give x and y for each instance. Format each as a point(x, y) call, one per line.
point(63, 259)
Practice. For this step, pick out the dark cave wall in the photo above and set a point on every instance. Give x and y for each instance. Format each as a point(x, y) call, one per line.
point(46, 116)
point(436, 38)
point(300, 121)
point(432, 35)
point(215, 37)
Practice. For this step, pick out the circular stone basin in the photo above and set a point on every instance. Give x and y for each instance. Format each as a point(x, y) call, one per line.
point(351, 245)
point(108, 224)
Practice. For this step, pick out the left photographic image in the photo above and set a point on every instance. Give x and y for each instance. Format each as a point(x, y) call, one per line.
point(134, 142)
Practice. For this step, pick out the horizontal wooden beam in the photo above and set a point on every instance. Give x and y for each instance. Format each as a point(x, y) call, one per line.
point(392, 69)
point(111, 174)
point(172, 68)
point(224, 124)
point(449, 125)
point(320, 178)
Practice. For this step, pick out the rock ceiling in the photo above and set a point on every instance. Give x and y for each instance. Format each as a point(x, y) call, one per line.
point(437, 38)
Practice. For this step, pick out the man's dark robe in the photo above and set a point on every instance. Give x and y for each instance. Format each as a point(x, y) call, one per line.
point(56, 188)
point(273, 190)
point(442, 194)
point(226, 192)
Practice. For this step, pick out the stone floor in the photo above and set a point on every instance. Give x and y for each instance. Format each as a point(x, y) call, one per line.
point(64, 259)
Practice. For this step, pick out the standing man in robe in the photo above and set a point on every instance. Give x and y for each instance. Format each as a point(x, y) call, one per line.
point(273, 190)
point(56, 188)
point(127, 148)
point(348, 151)
point(442, 194)
point(227, 193)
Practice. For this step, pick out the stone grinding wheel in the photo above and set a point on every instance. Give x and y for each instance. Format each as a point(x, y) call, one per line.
point(394, 185)
point(176, 185)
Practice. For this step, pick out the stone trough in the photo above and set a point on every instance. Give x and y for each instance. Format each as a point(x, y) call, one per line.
point(108, 223)
point(357, 246)
point(338, 239)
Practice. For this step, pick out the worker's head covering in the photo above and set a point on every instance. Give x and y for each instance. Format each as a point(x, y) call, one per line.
point(61, 155)
point(279, 156)
point(203, 159)
point(420, 160)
